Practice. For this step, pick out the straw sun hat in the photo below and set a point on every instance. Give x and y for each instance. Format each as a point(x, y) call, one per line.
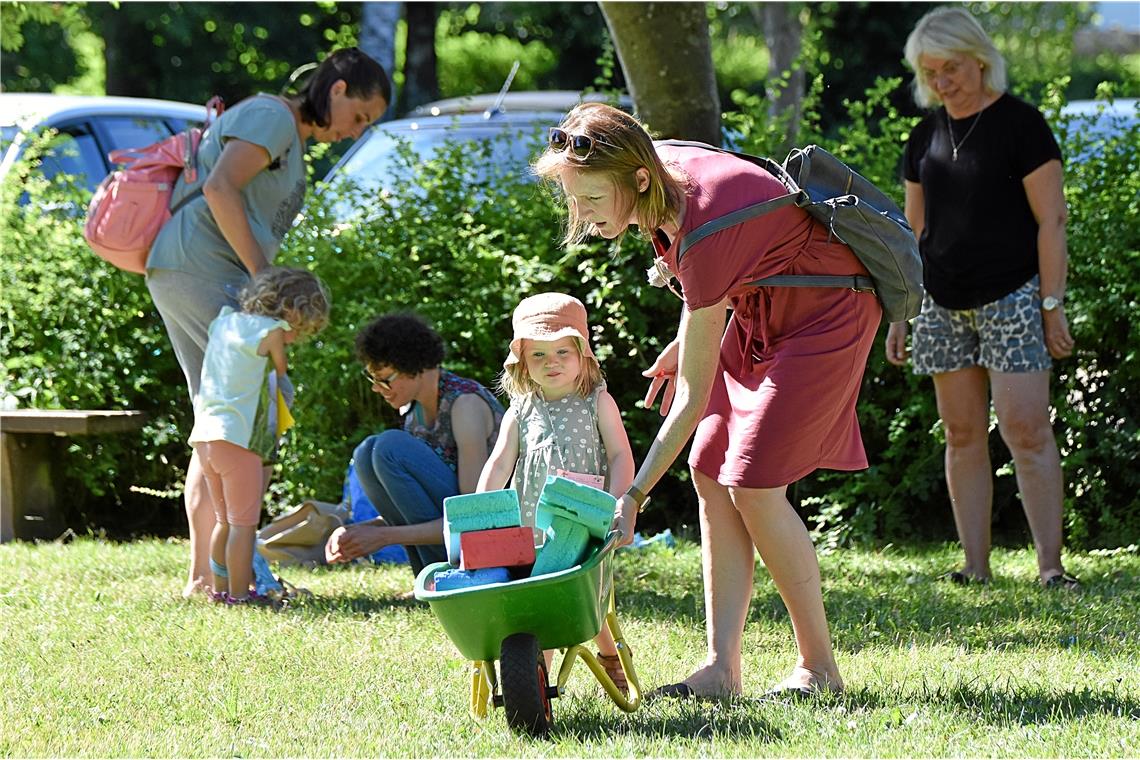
point(548, 316)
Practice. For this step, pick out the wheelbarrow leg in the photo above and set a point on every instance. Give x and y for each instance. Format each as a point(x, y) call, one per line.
point(482, 688)
point(633, 701)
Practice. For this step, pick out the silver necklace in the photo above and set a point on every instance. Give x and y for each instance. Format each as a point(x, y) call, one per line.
point(950, 130)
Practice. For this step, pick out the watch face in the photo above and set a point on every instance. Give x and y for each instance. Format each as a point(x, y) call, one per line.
point(1048, 303)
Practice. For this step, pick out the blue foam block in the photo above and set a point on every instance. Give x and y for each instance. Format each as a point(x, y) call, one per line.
point(589, 506)
point(449, 580)
point(566, 542)
point(478, 511)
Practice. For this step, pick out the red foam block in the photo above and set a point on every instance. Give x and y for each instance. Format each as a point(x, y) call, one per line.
point(497, 547)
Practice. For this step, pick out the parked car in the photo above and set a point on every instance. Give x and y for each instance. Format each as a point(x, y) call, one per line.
point(546, 100)
point(88, 128)
point(511, 127)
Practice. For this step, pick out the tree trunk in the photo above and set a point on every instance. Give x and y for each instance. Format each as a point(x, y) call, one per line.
point(421, 85)
point(128, 73)
point(378, 24)
point(783, 34)
point(666, 57)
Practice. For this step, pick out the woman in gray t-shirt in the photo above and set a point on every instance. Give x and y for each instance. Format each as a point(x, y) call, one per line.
point(250, 189)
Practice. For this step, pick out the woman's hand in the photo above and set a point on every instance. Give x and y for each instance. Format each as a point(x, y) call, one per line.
point(625, 519)
point(350, 542)
point(896, 344)
point(1057, 337)
point(663, 373)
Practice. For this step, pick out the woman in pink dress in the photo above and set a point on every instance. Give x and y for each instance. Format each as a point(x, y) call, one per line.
point(767, 377)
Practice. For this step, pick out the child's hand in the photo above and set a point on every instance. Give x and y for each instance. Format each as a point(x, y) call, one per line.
point(285, 385)
point(625, 519)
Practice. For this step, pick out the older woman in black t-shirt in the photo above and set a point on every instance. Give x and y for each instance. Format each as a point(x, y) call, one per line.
point(984, 196)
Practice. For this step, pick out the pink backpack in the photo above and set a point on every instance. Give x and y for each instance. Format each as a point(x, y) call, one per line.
point(131, 205)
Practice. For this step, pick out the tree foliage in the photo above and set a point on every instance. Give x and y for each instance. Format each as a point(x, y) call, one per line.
point(179, 50)
point(575, 36)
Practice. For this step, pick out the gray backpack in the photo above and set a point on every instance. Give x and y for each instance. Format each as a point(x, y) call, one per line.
point(856, 212)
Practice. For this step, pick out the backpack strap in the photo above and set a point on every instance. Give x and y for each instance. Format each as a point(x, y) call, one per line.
point(856, 282)
point(215, 106)
point(734, 218)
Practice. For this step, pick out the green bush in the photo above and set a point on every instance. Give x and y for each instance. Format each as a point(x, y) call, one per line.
point(1098, 412)
point(79, 334)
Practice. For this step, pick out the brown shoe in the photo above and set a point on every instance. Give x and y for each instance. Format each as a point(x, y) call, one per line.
point(612, 664)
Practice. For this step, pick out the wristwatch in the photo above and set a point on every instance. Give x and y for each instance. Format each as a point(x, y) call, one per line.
point(1048, 303)
point(638, 497)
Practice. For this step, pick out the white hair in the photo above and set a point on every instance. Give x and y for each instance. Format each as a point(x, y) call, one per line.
point(944, 33)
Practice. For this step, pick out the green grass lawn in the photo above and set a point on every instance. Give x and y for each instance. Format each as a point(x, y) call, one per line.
point(100, 657)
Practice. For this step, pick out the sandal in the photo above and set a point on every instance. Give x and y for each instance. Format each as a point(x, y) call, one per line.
point(959, 578)
point(1062, 581)
point(254, 599)
point(612, 664)
point(679, 690)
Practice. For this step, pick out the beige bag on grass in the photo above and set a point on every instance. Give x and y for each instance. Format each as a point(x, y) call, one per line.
point(298, 537)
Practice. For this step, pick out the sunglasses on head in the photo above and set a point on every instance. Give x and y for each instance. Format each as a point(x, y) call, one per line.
point(580, 145)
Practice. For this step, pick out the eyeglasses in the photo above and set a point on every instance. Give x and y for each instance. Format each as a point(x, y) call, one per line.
point(386, 383)
point(580, 145)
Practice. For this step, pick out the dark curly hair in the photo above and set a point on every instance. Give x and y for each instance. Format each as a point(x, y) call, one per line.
point(403, 341)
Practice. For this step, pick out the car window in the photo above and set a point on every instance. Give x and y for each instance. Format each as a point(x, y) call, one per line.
point(134, 131)
point(74, 151)
point(7, 135)
point(479, 152)
point(378, 160)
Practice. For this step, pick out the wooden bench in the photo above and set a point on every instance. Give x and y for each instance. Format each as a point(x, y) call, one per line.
point(29, 451)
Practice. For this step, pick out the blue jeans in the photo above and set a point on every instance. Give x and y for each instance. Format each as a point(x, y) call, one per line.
point(407, 482)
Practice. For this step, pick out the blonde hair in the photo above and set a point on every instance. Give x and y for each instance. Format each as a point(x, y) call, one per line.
point(944, 33)
point(295, 295)
point(515, 381)
point(621, 147)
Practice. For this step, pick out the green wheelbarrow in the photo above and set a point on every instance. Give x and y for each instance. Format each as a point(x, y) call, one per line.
point(513, 623)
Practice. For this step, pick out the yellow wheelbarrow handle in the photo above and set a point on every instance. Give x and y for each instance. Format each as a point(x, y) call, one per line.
point(628, 704)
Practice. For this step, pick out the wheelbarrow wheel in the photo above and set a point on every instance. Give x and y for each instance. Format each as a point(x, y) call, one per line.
point(522, 670)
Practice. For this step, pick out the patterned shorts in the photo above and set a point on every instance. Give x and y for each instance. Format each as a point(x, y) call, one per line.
point(1006, 335)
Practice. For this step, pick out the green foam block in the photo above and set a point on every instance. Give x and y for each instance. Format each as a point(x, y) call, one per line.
point(478, 511)
point(566, 542)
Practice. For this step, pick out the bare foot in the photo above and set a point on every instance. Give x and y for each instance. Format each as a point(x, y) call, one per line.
point(196, 586)
point(711, 681)
point(805, 680)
